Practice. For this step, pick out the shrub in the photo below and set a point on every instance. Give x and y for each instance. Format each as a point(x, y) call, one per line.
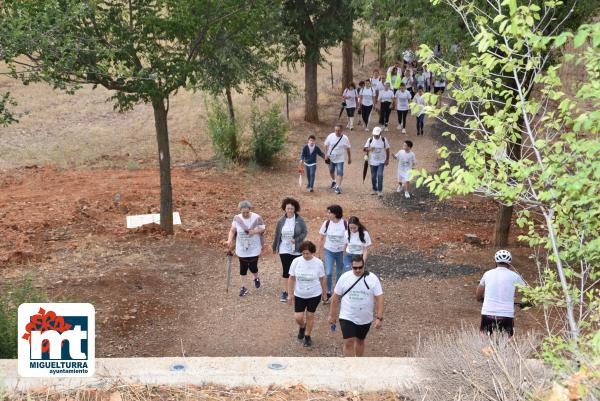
point(223, 132)
point(269, 135)
point(11, 296)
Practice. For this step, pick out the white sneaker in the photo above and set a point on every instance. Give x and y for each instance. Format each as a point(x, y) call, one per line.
point(404, 130)
point(380, 194)
point(398, 127)
point(399, 189)
point(374, 193)
point(366, 129)
point(406, 194)
point(386, 129)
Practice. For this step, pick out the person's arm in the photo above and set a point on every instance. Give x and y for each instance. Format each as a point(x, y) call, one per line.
point(323, 289)
point(319, 151)
point(276, 238)
point(290, 288)
point(335, 300)
point(303, 231)
point(387, 156)
point(366, 253)
point(349, 155)
point(321, 245)
point(231, 238)
point(378, 311)
point(479, 292)
point(326, 151)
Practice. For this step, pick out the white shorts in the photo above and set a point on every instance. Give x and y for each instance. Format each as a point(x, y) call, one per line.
point(404, 176)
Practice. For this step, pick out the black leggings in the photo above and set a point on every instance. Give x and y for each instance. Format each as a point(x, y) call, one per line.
point(384, 116)
point(366, 112)
point(402, 117)
point(286, 262)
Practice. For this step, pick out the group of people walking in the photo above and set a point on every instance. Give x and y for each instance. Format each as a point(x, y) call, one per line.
point(307, 278)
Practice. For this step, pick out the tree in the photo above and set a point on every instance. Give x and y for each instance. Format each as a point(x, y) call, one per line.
point(317, 25)
point(554, 184)
point(144, 50)
point(6, 116)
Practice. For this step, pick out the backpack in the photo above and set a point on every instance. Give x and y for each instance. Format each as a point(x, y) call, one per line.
point(371, 140)
point(328, 221)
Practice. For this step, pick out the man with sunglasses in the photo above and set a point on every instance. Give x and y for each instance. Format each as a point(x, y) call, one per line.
point(358, 292)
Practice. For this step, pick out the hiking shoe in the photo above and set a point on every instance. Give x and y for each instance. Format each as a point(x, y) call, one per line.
point(301, 333)
point(386, 129)
point(338, 190)
point(380, 194)
point(243, 291)
point(404, 130)
point(333, 184)
point(307, 341)
point(283, 297)
point(257, 282)
point(406, 194)
point(311, 190)
point(366, 129)
point(351, 128)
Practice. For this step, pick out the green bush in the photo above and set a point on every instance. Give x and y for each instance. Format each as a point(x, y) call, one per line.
point(11, 296)
point(223, 132)
point(269, 135)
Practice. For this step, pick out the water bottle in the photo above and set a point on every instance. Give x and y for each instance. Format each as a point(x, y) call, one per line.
point(333, 326)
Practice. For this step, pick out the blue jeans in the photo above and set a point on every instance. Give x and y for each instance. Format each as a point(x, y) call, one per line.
point(311, 172)
point(377, 177)
point(330, 258)
point(348, 262)
point(420, 122)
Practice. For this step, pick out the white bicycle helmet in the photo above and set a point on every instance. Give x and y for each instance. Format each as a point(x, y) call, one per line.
point(503, 256)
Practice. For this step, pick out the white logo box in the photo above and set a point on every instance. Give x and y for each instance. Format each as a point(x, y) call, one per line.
point(32, 363)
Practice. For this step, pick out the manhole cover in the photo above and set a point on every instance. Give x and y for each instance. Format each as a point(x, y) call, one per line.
point(177, 367)
point(276, 366)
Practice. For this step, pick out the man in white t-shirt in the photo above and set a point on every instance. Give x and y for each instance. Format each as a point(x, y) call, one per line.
point(358, 292)
point(497, 292)
point(336, 146)
point(406, 161)
point(377, 149)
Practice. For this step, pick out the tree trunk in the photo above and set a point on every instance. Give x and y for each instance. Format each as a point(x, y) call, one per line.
point(382, 46)
point(230, 105)
point(311, 106)
point(347, 73)
point(164, 159)
point(502, 226)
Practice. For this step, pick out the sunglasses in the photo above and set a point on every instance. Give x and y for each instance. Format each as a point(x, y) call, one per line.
point(357, 267)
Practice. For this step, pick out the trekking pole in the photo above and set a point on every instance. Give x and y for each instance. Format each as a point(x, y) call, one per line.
point(229, 263)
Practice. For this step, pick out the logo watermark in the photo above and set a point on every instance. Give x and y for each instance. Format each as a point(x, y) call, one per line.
point(56, 340)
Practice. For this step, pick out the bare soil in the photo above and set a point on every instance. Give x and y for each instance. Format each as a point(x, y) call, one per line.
point(158, 295)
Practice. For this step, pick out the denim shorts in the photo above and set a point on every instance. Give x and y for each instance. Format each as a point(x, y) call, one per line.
point(338, 167)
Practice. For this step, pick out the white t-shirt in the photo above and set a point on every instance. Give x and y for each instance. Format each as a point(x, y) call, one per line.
point(406, 160)
point(307, 273)
point(418, 99)
point(337, 156)
point(287, 235)
point(336, 236)
point(440, 83)
point(366, 96)
point(247, 246)
point(355, 245)
point(377, 149)
point(408, 81)
point(420, 78)
point(499, 296)
point(386, 96)
point(402, 99)
point(377, 83)
point(357, 305)
point(351, 100)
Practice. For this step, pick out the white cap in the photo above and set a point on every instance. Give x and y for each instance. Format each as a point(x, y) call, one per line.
point(377, 131)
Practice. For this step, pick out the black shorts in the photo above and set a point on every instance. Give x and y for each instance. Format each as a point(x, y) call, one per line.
point(497, 323)
point(248, 264)
point(353, 330)
point(306, 304)
point(350, 111)
point(438, 89)
point(286, 262)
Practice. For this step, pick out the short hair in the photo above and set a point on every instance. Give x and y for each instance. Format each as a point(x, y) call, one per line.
point(245, 204)
point(420, 87)
point(312, 137)
point(409, 143)
point(338, 125)
point(290, 201)
point(403, 85)
point(358, 257)
point(336, 210)
point(308, 246)
point(361, 83)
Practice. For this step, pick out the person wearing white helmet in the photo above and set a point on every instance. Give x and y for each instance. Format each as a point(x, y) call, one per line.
point(497, 292)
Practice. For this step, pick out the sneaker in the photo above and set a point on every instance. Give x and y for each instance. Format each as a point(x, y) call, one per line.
point(406, 194)
point(257, 282)
point(243, 291)
point(398, 127)
point(338, 190)
point(283, 297)
point(374, 193)
point(404, 130)
point(380, 194)
point(328, 300)
point(307, 341)
point(351, 128)
point(311, 190)
point(301, 333)
point(366, 129)
point(399, 189)
point(386, 129)
point(333, 184)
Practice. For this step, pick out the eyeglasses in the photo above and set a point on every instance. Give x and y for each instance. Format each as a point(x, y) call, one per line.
point(357, 267)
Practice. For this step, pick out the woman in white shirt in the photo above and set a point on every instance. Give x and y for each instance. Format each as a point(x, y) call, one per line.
point(402, 99)
point(350, 95)
point(332, 244)
point(367, 95)
point(420, 110)
point(359, 241)
point(307, 284)
point(386, 97)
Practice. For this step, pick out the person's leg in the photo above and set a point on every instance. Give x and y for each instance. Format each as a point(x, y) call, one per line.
point(340, 173)
point(404, 115)
point(339, 265)
point(331, 166)
point(366, 113)
point(310, 320)
point(348, 262)
point(381, 113)
point(348, 347)
point(399, 112)
point(313, 173)
point(380, 177)
point(299, 316)
point(373, 177)
point(243, 273)
point(328, 256)
point(253, 267)
point(388, 111)
point(359, 347)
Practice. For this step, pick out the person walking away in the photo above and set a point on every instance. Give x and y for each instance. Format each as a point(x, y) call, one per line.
point(290, 232)
point(386, 98)
point(367, 95)
point(357, 292)
point(394, 77)
point(308, 160)
point(359, 242)
point(419, 100)
point(246, 230)
point(377, 149)
point(332, 244)
point(496, 290)
point(336, 146)
point(350, 96)
point(361, 87)
point(307, 284)
point(401, 100)
point(406, 162)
